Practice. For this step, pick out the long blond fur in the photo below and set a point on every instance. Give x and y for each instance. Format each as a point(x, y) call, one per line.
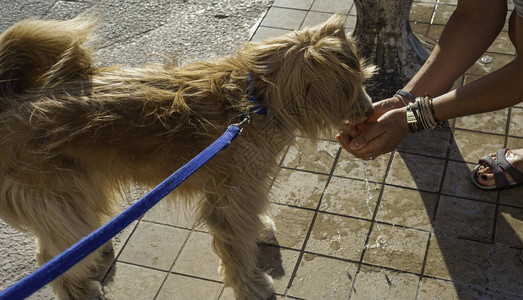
point(72, 134)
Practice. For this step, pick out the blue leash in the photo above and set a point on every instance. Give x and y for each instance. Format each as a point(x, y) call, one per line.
point(63, 262)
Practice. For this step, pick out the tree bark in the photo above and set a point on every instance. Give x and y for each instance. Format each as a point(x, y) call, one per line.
point(384, 38)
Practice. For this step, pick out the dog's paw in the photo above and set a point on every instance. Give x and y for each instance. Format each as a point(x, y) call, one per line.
point(268, 287)
point(107, 248)
point(268, 234)
point(94, 291)
point(91, 291)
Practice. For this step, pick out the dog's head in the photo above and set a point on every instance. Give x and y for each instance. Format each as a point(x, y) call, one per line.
point(311, 79)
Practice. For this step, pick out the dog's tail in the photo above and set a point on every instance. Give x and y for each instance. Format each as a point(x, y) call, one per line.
point(42, 53)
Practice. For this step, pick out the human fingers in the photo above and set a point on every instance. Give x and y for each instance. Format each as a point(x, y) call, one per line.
point(384, 106)
point(344, 139)
point(381, 137)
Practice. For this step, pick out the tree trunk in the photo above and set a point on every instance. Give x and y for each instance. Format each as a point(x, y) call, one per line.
point(384, 37)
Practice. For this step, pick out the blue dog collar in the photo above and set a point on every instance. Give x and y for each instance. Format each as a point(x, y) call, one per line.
point(258, 108)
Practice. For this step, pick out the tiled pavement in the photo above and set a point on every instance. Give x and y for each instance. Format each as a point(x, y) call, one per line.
point(407, 225)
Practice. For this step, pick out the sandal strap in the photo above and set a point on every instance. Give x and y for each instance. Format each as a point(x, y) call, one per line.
point(499, 177)
point(500, 166)
point(508, 167)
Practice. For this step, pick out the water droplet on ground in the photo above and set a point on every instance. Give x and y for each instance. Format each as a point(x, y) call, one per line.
point(486, 59)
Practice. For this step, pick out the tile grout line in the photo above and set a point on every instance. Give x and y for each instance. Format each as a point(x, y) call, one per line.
point(258, 23)
point(307, 236)
point(115, 260)
point(174, 262)
point(497, 208)
point(436, 207)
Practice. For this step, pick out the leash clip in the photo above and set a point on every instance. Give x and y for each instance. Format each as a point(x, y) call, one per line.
point(245, 118)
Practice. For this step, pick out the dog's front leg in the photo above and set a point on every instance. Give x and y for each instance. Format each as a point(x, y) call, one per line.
point(232, 211)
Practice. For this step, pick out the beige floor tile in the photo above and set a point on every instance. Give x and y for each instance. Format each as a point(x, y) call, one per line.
point(516, 122)
point(506, 271)
point(338, 236)
point(198, 258)
point(458, 83)
point(279, 263)
point(299, 4)
point(471, 146)
point(350, 197)
point(457, 182)
point(314, 18)
point(406, 207)
point(322, 278)
point(465, 218)
point(305, 156)
point(170, 214)
point(430, 142)
point(178, 287)
point(421, 12)
point(468, 78)
point(432, 289)
point(498, 61)
point(414, 171)
point(442, 14)
point(502, 44)
point(292, 225)
point(377, 283)
point(352, 167)
point(350, 23)
point(154, 245)
point(298, 188)
point(132, 282)
point(509, 229)
point(121, 238)
point(284, 18)
point(420, 30)
point(515, 142)
point(458, 260)
point(263, 33)
point(428, 1)
point(332, 6)
point(435, 31)
point(396, 247)
point(491, 122)
point(512, 197)
point(228, 294)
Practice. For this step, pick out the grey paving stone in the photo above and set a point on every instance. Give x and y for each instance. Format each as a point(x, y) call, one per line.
point(296, 4)
point(284, 18)
point(333, 6)
point(267, 32)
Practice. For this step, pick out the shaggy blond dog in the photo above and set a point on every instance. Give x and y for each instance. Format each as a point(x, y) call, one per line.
point(72, 134)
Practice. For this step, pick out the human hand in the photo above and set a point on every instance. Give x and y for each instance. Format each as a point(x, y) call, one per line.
point(380, 133)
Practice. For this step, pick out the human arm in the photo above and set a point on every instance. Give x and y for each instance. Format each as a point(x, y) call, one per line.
point(459, 47)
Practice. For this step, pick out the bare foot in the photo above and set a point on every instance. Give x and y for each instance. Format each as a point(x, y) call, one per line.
point(514, 157)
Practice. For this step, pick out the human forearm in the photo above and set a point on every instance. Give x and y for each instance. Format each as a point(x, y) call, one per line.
point(469, 32)
point(498, 90)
